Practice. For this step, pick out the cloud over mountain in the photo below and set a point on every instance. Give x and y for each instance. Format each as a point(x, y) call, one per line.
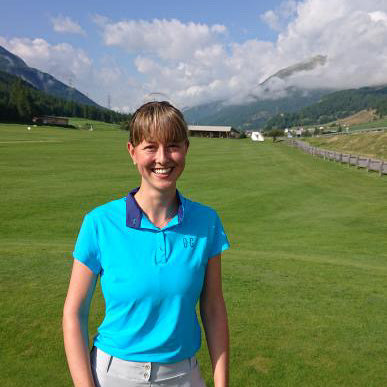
point(194, 63)
point(61, 60)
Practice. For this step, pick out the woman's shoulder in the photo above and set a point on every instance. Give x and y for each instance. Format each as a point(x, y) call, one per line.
point(199, 209)
point(107, 209)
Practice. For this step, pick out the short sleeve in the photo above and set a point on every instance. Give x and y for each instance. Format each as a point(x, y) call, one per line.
point(218, 238)
point(86, 248)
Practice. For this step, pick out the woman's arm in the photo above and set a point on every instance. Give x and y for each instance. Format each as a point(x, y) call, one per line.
point(214, 317)
point(75, 324)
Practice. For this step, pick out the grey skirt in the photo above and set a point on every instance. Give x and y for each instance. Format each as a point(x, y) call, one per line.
point(110, 371)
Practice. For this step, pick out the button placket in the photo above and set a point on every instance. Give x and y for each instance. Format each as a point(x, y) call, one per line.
point(147, 371)
point(160, 248)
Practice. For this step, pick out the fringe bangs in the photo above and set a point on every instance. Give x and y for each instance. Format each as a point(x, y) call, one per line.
point(158, 122)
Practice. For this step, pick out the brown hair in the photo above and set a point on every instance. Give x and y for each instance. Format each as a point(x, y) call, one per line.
point(157, 121)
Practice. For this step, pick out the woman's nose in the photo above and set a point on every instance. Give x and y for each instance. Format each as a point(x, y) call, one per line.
point(162, 155)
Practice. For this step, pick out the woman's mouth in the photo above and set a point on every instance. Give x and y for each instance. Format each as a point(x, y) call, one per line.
point(162, 171)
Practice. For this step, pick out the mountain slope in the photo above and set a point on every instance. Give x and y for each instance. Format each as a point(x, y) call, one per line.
point(20, 102)
point(335, 106)
point(252, 115)
point(12, 64)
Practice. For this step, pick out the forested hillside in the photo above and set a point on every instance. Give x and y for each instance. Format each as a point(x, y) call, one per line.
point(12, 64)
point(20, 102)
point(334, 106)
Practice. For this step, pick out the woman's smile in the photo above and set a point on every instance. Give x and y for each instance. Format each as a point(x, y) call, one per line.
point(162, 171)
point(159, 163)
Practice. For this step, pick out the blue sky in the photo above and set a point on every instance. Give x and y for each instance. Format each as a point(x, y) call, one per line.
point(198, 51)
point(33, 18)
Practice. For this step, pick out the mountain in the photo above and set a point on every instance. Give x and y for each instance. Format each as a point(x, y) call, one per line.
point(268, 100)
point(252, 115)
point(335, 106)
point(20, 102)
point(12, 64)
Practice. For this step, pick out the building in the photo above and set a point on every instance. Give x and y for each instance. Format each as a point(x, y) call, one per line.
point(51, 120)
point(213, 131)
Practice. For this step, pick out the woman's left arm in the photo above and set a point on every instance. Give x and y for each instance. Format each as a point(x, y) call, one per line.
point(214, 317)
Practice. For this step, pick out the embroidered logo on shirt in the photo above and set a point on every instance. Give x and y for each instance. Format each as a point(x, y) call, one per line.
point(188, 242)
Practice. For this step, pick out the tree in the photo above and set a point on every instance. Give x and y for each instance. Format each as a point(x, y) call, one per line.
point(275, 133)
point(20, 101)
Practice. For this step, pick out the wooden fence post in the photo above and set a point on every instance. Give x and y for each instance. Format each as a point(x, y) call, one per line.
point(357, 161)
point(349, 160)
point(368, 164)
point(381, 168)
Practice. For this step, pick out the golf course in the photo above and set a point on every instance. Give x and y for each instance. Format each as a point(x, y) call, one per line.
point(305, 280)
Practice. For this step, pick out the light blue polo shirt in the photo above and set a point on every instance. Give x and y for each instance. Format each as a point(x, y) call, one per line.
point(151, 278)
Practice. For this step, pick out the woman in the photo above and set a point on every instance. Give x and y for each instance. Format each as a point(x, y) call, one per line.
point(156, 253)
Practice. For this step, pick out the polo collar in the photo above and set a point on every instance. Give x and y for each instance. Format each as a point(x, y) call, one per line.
point(134, 212)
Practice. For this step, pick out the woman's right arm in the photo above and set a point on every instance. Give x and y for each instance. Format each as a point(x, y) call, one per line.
point(75, 324)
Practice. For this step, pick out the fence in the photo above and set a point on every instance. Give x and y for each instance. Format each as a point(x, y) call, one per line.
point(379, 166)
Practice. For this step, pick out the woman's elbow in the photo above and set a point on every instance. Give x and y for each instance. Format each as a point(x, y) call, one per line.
point(72, 317)
point(214, 311)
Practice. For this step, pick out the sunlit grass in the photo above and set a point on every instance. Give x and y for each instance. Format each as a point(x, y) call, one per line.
point(305, 280)
point(371, 144)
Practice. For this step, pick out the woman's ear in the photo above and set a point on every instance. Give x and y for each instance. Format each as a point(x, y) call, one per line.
point(132, 152)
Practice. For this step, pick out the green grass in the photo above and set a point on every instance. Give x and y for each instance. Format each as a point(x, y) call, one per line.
point(305, 280)
point(381, 123)
point(372, 144)
point(97, 125)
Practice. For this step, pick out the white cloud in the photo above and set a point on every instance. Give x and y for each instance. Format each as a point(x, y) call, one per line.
point(278, 19)
point(146, 65)
point(64, 24)
point(271, 19)
point(354, 40)
point(62, 60)
point(378, 16)
point(168, 39)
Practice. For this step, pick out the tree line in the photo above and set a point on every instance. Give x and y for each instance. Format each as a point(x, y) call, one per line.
point(20, 102)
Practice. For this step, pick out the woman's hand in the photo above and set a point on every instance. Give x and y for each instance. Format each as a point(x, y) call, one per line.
point(214, 317)
point(75, 324)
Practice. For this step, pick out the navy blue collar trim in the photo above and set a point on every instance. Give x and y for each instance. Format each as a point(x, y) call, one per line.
point(134, 211)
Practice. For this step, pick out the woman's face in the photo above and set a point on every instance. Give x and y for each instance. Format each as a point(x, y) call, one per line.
point(159, 165)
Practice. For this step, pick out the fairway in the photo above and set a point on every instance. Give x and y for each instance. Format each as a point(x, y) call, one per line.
point(305, 280)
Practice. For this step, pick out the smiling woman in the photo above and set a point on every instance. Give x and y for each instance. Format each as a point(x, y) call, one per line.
point(157, 253)
point(158, 146)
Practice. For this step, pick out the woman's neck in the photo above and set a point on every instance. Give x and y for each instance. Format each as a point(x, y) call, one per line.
point(159, 206)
